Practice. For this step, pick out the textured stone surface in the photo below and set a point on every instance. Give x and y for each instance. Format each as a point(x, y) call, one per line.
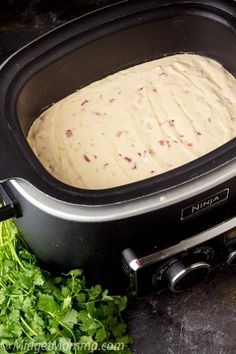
point(201, 321)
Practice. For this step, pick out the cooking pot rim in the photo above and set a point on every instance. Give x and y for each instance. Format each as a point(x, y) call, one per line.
point(126, 209)
point(193, 170)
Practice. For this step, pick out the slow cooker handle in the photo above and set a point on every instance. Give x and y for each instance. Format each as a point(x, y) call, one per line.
point(11, 208)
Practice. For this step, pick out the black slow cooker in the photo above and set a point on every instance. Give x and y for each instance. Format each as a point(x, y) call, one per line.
point(167, 231)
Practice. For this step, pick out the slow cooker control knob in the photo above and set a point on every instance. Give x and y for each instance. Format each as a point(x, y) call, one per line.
point(230, 251)
point(183, 274)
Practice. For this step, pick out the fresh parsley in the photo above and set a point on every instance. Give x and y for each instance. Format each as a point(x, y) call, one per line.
point(40, 313)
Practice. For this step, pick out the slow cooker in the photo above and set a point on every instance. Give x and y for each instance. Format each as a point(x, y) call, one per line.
point(165, 232)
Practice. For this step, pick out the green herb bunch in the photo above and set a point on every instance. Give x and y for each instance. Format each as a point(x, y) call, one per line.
point(40, 313)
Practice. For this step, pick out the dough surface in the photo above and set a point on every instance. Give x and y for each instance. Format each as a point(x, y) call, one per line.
point(137, 123)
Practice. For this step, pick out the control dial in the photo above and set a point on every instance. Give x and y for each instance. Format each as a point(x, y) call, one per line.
point(183, 274)
point(190, 268)
point(230, 251)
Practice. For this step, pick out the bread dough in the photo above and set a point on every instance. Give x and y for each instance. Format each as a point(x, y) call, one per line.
point(137, 123)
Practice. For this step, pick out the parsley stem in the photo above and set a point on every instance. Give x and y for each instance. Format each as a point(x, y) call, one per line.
point(2, 284)
point(73, 285)
point(1, 240)
point(53, 337)
point(15, 257)
point(68, 329)
point(65, 326)
point(25, 332)
point(10, 278)
point(28, 327)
